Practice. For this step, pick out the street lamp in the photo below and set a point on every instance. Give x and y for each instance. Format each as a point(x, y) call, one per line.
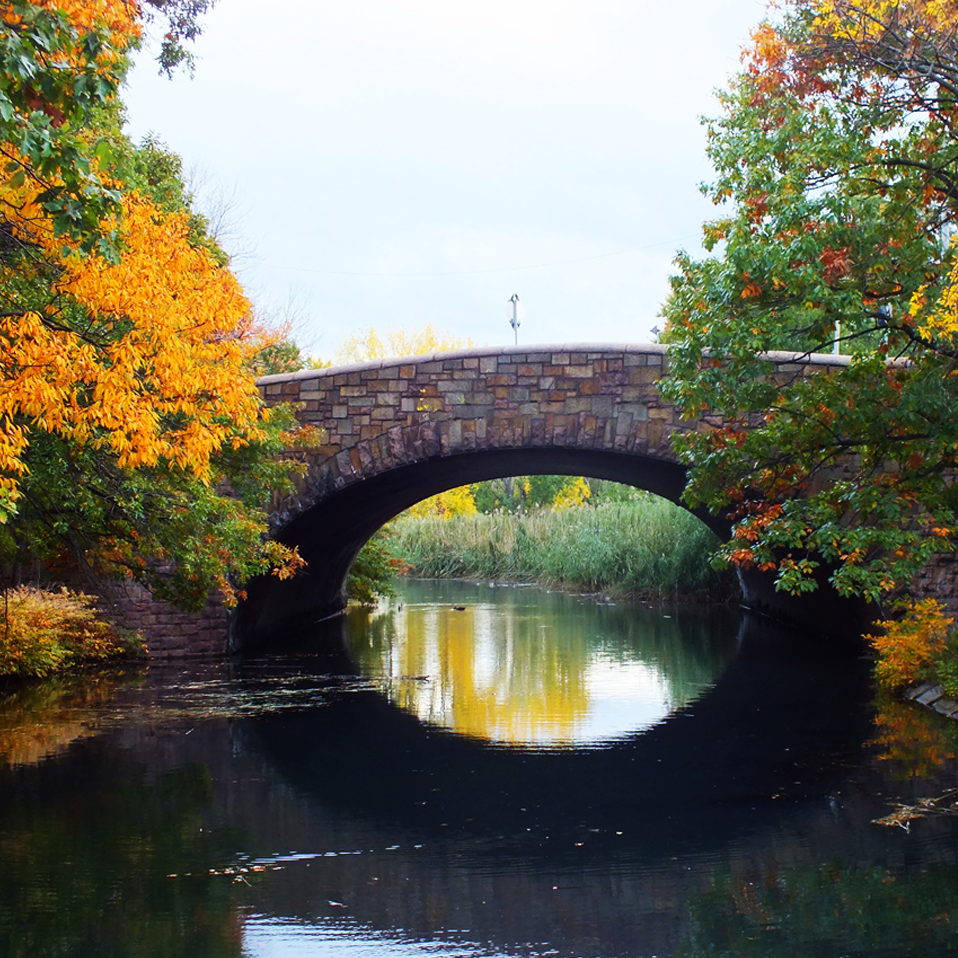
point(515, 312)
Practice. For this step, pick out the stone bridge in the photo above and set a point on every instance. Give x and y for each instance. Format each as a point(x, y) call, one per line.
point(393, 432)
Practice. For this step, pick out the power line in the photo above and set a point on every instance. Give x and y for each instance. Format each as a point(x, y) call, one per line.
point(473, 272)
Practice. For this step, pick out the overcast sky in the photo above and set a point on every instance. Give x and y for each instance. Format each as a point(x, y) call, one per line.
point(398, 162)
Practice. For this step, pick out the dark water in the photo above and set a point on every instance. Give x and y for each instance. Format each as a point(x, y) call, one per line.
point(529, 774)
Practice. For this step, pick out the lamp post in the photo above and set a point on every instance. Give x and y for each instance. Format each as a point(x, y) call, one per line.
point(515, 312)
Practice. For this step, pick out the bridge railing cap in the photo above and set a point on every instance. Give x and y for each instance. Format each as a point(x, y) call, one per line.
point(476, 352)
point(777, 357)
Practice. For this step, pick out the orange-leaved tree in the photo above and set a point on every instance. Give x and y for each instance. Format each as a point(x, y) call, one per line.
point(836, 185)
point(128, 408)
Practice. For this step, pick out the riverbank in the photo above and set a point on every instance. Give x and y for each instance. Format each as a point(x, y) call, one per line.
point(44, 631)
point(650, 549)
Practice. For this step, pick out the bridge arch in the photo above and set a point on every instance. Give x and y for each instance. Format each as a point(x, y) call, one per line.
point(392, 433)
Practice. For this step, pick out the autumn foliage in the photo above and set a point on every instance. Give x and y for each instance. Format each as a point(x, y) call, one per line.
point(909, 647)
point(43, 632)
point(369, 344)
point(836, 188)
point(132, 436)
point(157, 375)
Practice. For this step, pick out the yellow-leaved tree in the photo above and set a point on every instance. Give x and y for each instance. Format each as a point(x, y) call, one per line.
point(128, 404)
point(369, 344)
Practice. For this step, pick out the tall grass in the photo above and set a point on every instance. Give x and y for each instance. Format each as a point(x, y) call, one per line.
point(649, 547)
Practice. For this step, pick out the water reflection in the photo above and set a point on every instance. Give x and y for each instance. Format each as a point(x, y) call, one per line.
point(282, 806)
point(517, 666)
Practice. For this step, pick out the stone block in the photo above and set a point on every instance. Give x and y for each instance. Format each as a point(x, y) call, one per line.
point(469, 410)
point(453, 430)
point(645, 374)
point(929, 696)
point(603, 406)
point(446, 386)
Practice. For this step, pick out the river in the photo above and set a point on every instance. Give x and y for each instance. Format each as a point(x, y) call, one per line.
point(480, 770)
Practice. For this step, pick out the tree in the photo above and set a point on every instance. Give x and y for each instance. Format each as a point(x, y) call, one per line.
point(446, 505)
point(63, 62)
point(132, 436)
point(836, 158)
point(368, 344)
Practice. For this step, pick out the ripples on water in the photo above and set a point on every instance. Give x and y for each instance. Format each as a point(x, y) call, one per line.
point(529, 774)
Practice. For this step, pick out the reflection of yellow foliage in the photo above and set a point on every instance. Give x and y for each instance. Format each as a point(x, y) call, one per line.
point(368, 344)
point(531, 692)
point(452, 502)
point(911, 644)
point(916, 740)
point(41, 720)
point(574, 493)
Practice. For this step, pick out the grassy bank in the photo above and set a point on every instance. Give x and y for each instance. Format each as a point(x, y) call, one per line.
point(648, 547)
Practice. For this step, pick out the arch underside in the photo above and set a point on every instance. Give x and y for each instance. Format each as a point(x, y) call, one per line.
point(330, 533)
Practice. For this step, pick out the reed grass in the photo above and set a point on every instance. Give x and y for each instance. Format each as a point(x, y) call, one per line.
point(650, 547)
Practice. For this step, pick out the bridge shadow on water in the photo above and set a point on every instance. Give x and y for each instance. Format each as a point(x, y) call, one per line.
point(778, 732)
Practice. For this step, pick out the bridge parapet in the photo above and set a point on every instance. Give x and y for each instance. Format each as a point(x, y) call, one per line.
point(378, 416)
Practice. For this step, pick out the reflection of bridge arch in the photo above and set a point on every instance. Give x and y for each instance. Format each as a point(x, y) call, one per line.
point(779, 729)
point(395, 432)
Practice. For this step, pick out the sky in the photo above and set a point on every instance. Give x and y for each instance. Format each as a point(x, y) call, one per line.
point(393, 163)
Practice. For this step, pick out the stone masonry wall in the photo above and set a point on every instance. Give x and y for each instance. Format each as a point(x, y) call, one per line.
point(372, 418)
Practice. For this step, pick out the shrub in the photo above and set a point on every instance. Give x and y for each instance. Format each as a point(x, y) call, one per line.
point(43, 632)
point(371, 574)
point(911, 646)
